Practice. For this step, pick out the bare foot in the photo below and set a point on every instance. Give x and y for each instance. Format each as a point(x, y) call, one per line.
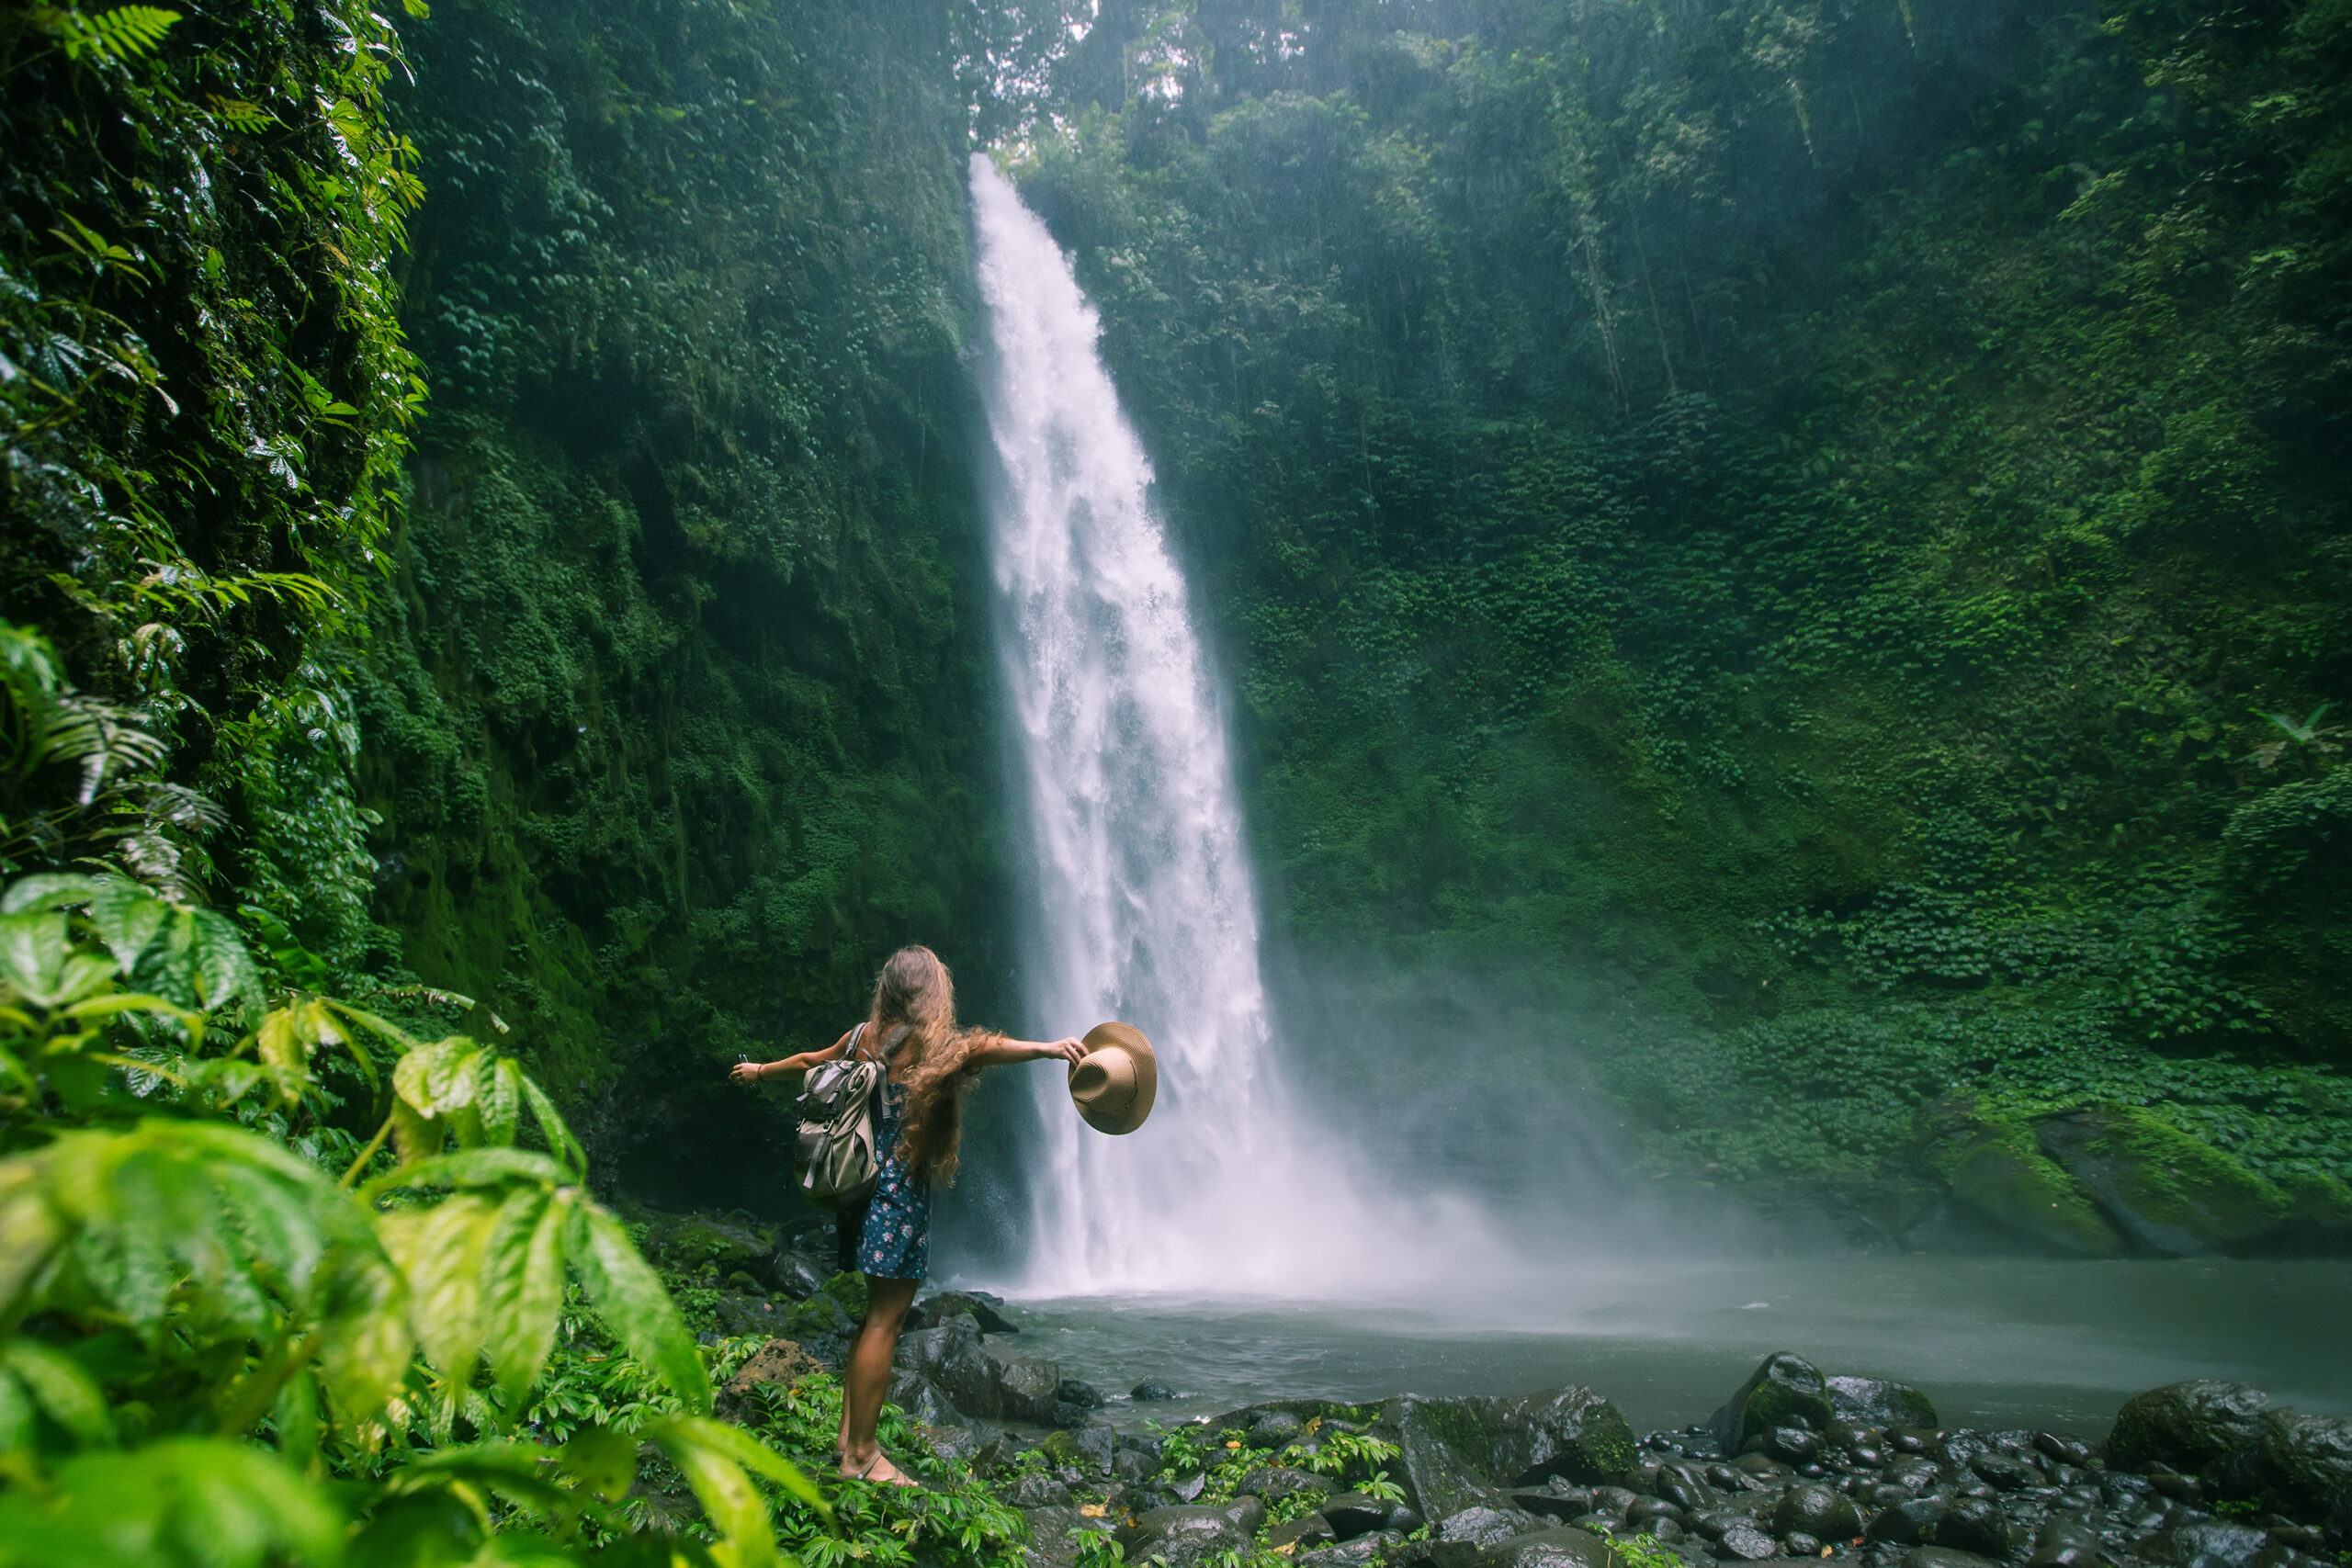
point(880, 1471)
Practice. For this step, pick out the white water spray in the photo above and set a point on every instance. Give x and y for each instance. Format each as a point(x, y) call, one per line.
point(1147, 912)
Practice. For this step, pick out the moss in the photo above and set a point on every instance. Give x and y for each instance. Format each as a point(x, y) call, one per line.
point(2167, 1179)
point(2002, 1176)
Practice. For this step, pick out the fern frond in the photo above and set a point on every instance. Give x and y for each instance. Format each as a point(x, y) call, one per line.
point(118, 34)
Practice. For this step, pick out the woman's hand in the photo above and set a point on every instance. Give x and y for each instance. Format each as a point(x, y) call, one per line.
point(748, 1072)
point(1072, 1051)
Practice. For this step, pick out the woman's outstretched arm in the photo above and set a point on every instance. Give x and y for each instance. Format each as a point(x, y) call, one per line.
point(749, 1072)
point(998, 1050)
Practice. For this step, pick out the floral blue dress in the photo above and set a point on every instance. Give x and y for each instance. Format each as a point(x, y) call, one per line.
point(889, 1237)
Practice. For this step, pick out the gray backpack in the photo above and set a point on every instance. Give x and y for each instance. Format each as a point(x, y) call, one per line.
point(839, 1164)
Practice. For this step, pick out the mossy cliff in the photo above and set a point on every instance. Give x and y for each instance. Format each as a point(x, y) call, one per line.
point(677, 720)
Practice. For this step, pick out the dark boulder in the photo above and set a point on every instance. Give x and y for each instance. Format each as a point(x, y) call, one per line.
point(1444, 1455)
point(1275, 1429)
point(1555, 1501)
point(2206, 1543)
point(921, 1399)
point(983, 1380)
point(1309, 1530)
point(2299, 1464)
point(795, 1277)
point(2006, 1471)
point(1053, 1535)
point(1800, 1545)
point(2067, 1542)
point(1745, 1541)
point(1791, 1445)
point(1908, 1524)
point(1089, 1447)
point(1817, 1511)
point(1943, 1557)
point(1873, 1402)
point(1482, 1526)
point(939, 1309)
point(1277, 1481)
point(1182, 1535)
point(1038, 1491)
point(1974, 1524)
point(1572, 1433)
point(1361, 1552)
point(1085, 1395)
point(1147, 1393)
point(1786, 1390)
point(1352, 1514)
point(2193, 1425)
point(1547, 1549)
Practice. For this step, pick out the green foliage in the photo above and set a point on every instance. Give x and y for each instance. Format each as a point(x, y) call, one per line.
point(202, 1325)
point(1714, 578)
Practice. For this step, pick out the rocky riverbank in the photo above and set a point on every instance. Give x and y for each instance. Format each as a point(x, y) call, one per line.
point(1797, 1464)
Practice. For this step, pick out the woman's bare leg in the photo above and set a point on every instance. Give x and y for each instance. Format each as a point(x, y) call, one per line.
point(870, 1378)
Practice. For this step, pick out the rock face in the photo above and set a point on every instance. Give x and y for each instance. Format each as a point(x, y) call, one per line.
point(1444, 1454)
point(2299, 1464)
point(1786, 1390)
point(1869, 1402)
point(2171, 1193)
point(1571, 1433)
point(983, 1380)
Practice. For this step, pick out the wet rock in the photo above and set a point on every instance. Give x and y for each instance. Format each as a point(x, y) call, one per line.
point(1357, 1553)
point(1597, 1524)
point(1908, 1524)
point(2065, 1450)
point(1800, 1545)
point(1148, 1393)
point(935, 1311)
point(1278, 1482)
point(2006, 1471)
point(1973, 1524)
point(1403, 1519)
point(1482, 1526)
point(1572, 1433)
point(722, 1247)
point(795, 1277)
point(1072, 1391)
point(1816, 1510)
point(2193, 1424)
point(821, 1313)
point(1185, 1534)
point(1873, 1402)
point(1312, 1530)
point(1786, 1390)
point(1190, 1488)
point(1792, 1445)
point(982, 1379)
point(1943, 1557)
point(1444, 1454)
point(1352, 1514)
point(1089, 1447)
point(1647, 1509)
point(1248, 1512)
point(1037, 1491)
point(1275, 1429)
point(1745, 1541)
point(2296, 1464)
point(2208, 1544)
point(1613, 1501)
point(921, 1399)
point(2066, 1542)
point(1133, 1468)
point(1547, 1549)
point(740, 1316)
point(1558, 1501)
point(1052, 1533)
point(2171, 1193)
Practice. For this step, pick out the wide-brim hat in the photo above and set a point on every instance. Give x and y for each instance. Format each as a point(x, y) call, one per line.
point(1115, 1083)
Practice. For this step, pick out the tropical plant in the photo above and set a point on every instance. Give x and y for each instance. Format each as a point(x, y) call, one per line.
point(231, 1333)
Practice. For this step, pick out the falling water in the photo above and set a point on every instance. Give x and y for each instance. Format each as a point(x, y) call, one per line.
point(1146, 911)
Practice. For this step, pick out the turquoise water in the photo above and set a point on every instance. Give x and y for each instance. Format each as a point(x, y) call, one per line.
point(1992, 1341)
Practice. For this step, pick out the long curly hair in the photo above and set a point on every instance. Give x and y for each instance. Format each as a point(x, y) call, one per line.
point(916, 992)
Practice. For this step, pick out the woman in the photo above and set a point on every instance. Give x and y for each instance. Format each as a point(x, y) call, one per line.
point(918, 1123)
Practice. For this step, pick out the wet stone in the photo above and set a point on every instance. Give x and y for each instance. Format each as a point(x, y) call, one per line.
point(1743, 1541)
point(1148, 1392)
point(1800, 1545)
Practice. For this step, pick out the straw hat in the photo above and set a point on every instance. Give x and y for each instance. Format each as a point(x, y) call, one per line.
point(1115, 1083)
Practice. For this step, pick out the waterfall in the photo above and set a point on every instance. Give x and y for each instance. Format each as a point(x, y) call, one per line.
point(1144, 908)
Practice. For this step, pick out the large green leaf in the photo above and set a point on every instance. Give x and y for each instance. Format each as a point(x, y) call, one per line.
point(630, 1299)
point(183, 1503)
